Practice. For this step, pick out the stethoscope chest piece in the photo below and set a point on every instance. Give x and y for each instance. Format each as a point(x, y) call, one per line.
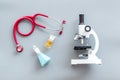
point(84, 32)
point(19, 48)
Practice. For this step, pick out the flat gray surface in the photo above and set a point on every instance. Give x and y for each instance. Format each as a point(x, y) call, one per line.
point(102, 15)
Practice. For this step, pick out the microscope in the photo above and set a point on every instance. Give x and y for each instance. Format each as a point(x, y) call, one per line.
point(84, 32)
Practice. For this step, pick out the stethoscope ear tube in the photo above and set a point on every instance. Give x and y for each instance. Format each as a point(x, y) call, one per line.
point(61, 31)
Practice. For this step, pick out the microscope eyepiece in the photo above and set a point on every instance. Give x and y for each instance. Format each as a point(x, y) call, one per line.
point(81, 19)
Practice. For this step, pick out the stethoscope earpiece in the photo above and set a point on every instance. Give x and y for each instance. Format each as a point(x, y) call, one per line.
point(64, 22)
point(61, 31)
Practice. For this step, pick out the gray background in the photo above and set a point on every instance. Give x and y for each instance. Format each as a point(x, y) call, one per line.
point(102, 15)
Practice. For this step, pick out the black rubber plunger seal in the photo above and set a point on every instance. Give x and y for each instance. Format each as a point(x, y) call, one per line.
point(82, 47)
point(87, 28)
point(81, 19)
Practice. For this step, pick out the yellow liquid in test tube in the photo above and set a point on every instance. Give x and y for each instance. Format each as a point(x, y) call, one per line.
point(48, 44)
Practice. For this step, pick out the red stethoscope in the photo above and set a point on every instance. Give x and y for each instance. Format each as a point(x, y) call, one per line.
point(19, 48)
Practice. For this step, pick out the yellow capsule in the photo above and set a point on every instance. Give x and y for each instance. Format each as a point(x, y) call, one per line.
point(48, 44)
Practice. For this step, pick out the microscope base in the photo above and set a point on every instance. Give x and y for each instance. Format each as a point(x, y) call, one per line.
point(85, 61)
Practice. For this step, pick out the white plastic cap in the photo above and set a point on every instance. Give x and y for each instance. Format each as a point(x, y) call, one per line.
point(52, 37)
point(36, 49)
